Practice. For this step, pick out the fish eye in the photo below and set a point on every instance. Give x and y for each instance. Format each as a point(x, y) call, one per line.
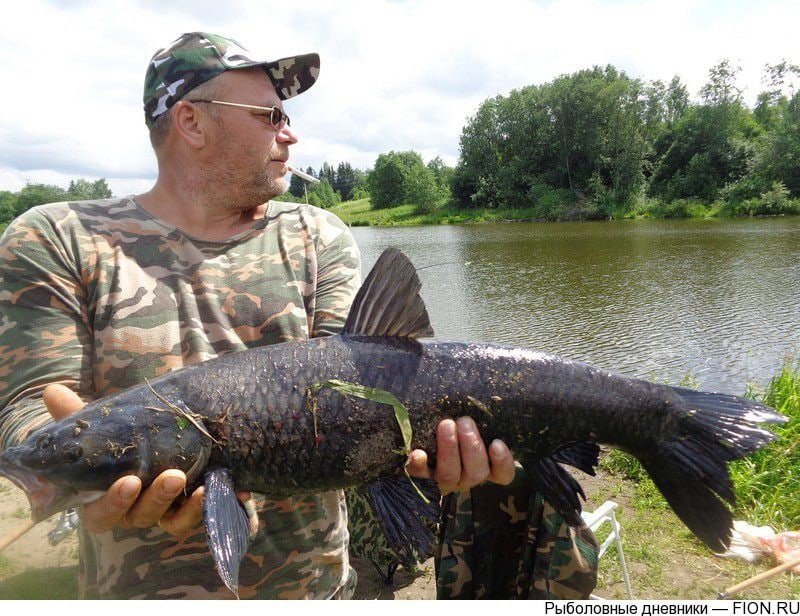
point(44, 441)
point(72, 452)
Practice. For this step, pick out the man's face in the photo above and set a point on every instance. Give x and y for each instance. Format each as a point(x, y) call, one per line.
point(247, 151)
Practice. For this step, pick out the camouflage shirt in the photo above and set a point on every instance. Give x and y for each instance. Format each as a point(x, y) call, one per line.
point(100, 295)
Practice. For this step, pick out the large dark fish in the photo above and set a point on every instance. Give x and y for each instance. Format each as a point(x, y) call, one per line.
point(270, 420)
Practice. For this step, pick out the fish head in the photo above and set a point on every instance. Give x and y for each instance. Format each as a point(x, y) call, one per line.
point(65, 464)
point(75, 460)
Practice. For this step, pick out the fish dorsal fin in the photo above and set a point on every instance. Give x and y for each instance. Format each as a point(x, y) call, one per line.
point(388, 303)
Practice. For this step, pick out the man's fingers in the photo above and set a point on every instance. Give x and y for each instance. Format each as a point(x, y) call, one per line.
point(187, 517)
point(417, 465)
point(502, 461)
point(474, 460)
point(109, 511)
point(61, 401)
point(448, 458)
point(156, 499)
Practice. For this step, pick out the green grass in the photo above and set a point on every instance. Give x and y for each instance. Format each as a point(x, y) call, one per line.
point(666, 561)
point(5, 566)
point(359, 214)
point(768, 482)
point(52, 583)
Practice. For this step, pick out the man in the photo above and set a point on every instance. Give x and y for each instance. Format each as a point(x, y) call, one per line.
point(98, 296)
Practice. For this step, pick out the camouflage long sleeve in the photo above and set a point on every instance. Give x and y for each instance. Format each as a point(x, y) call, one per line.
point(100, 295)
point(44, 329)
point(338, 278)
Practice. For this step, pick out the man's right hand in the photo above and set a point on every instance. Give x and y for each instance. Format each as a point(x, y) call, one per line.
point(124, 504)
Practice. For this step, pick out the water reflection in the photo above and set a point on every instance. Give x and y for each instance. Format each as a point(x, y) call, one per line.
point(719, 300)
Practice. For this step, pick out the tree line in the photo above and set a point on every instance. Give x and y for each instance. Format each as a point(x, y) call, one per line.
point(335, 185)
point(12, 204)
point(597, 144)
point(591, 144)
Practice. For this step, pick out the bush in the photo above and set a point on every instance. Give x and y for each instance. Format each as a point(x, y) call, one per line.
point(749, 187)
point(773, 202)
point(402, 177)
point(359, 192)
point(549, 203)
point(322, 195)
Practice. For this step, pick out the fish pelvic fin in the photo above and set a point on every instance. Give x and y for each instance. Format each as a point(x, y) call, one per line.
point(407, 521)
point(389, 303)
point(227, 526)
point(691, 471)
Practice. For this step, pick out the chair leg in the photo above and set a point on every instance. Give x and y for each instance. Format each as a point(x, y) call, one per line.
point(621, 554)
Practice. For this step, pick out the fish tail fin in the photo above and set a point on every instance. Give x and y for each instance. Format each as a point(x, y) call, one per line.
point(406, 519)
point(691, 470)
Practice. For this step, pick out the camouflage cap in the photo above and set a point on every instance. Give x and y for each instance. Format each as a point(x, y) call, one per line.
point(196, 57)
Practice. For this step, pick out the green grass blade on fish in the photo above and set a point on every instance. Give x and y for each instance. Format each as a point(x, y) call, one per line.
point(380, 396)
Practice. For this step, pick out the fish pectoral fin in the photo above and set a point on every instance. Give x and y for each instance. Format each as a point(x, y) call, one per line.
point(583, 456)
point(407, 521)
point(389, 303)
point(227, 526)
point(557, 487)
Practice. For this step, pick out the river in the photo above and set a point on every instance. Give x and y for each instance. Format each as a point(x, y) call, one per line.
point(715, 301)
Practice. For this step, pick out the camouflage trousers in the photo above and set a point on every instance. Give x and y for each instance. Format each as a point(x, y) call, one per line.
point(505, 542)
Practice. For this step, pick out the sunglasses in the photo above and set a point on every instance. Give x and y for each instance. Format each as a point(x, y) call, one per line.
point(276, 116)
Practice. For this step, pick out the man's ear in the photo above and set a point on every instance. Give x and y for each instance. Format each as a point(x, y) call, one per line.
point(189, 125)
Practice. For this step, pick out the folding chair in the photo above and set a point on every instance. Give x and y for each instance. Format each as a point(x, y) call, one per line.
point(595, 519)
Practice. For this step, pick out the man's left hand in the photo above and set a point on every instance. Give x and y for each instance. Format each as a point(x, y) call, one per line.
point(462, 461)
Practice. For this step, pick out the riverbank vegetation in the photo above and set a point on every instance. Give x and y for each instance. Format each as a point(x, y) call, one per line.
point(598, 144)
point(12, 204)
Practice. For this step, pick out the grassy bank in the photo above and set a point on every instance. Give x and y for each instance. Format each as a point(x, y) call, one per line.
point(359, 213)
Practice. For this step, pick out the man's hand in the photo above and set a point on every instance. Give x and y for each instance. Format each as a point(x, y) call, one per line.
point(461, 458)
point(124, 504)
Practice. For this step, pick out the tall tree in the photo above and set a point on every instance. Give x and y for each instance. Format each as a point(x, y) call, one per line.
point(721, 88)
point(676, 100)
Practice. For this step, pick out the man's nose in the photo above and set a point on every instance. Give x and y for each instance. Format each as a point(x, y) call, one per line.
point(286, 135)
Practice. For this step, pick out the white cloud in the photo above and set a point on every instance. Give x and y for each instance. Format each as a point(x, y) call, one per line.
point(395, 75)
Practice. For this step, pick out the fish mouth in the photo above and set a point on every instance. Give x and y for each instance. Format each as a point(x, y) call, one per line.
point(44, 497)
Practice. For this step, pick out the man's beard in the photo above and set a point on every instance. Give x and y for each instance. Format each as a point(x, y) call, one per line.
point(239, 191)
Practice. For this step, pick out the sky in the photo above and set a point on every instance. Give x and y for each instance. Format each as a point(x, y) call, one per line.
point(395, 75)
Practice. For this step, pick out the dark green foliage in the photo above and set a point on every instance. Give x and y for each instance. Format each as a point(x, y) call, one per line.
point(297, 186)
point(83, 190)
point(31, 195)
point(322, 195)
point(598, 144)
point(583, 135)
point(344, 181)
point(711, 146)
point(402, 177)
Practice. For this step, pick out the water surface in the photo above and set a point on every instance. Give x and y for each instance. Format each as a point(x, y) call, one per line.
point(718, 300)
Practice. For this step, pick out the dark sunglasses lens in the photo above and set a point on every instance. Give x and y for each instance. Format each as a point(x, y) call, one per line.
point(277, 117)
